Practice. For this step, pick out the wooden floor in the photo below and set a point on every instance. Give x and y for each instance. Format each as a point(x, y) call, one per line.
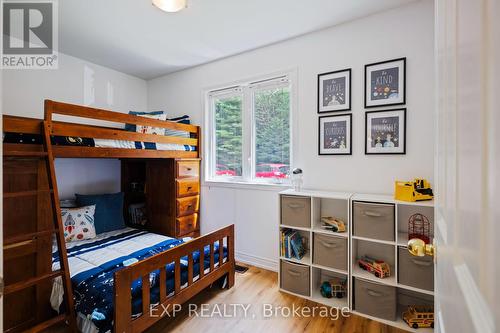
point(255, 288)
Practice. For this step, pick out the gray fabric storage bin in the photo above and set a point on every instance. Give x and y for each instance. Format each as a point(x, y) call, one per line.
point(295, 278)
point(296, 211)
point(330, 251)
point(373, 220)
point(414, 271)
point(375, 299)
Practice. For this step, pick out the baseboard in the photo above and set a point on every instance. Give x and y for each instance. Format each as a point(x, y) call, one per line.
point(256, 261)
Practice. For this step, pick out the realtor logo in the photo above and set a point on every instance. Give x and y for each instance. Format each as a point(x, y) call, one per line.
point(29, 32)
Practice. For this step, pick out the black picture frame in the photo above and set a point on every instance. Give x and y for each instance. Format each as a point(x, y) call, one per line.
point(348, 150)
point(401, 134)
point(367, 89)
point(348, 90)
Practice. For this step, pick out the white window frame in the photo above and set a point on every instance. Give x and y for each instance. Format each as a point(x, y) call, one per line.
point(246, 89)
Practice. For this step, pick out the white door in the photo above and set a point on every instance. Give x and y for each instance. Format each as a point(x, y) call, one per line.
point(467, 166)
point(1, 202)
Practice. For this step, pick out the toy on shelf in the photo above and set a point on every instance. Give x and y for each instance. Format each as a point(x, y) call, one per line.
point(416, 190)
point(333, 224)
point(335, 287)
point(417, 316)
point(419, 227)
point(379, 268)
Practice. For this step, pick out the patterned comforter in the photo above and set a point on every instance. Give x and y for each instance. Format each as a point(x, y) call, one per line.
point(93, 262)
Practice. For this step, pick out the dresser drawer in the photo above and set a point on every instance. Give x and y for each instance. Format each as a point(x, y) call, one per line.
point(187, 169)
point(414, 271)
point(375, 299)
point(186, 224)
point(330, 251)
point(295, 278)
point(373, 220)
point(187, 205)
point(187, 186)
point(296, 211)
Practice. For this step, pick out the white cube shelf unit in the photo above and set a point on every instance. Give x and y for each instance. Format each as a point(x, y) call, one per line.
point(377, 226)
point(302, 211)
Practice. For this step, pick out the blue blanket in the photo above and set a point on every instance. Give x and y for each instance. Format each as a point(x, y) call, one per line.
point(93, 264)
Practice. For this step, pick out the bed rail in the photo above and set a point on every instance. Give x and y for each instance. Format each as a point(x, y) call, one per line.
point(100, 132)
point(53, 108)
point(63, 128)
point(123, 321)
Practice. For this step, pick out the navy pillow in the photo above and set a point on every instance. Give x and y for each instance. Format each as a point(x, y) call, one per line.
point(131, 127)
point(108, 210)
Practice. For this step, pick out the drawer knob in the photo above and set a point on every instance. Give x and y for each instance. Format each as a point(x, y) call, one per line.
point(189, 188)
point(189, 169)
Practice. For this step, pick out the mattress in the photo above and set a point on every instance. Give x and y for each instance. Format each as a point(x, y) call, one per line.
point(10, 137)
point(92, 264)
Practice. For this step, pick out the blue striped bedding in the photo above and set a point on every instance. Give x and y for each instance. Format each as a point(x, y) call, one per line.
point(10, 137)
point(92, 265)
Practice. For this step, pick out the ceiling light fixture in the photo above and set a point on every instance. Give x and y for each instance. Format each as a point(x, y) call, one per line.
point(170, 6)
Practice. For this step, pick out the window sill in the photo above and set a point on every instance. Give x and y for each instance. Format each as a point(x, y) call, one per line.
point(246, 185)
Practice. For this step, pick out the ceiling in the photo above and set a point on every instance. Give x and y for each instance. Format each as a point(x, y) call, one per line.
point(136, 38)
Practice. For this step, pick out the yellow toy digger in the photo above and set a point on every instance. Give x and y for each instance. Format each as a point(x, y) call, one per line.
point(417, 190)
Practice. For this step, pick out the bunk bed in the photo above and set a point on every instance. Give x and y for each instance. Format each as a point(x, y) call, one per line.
point(169, 270)
point(124, 141)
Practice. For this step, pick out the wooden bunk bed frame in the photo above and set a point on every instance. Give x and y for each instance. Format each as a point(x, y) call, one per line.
point(123, 321)
point(35, 126)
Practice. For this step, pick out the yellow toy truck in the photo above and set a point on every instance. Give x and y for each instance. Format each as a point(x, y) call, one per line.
point(417, 316)
point(417, 190)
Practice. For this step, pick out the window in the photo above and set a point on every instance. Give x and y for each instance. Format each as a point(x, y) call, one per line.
point(228, 136)
point(248, 132)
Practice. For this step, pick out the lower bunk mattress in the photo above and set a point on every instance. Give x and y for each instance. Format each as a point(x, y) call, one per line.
point(92, 264)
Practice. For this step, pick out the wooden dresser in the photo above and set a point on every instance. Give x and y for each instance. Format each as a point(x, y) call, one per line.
point(170, 188)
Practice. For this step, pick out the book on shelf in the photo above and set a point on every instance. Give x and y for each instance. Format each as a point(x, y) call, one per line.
point(292, 244)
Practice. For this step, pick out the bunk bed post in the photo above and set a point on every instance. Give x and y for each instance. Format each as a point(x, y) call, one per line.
point(230, 255)
point(48, 108)
point(199, 142)
point(122, 301)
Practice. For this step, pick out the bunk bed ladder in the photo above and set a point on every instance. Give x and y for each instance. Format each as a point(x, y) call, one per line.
point(35, 285)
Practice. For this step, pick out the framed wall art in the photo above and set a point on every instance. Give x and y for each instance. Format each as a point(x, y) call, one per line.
point(334, 91)
point(335, 135)
point(385, 132)
point(385, 83)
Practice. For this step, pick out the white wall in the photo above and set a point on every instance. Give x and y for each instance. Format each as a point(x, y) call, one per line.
point(80, 82)
point(403, 32)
